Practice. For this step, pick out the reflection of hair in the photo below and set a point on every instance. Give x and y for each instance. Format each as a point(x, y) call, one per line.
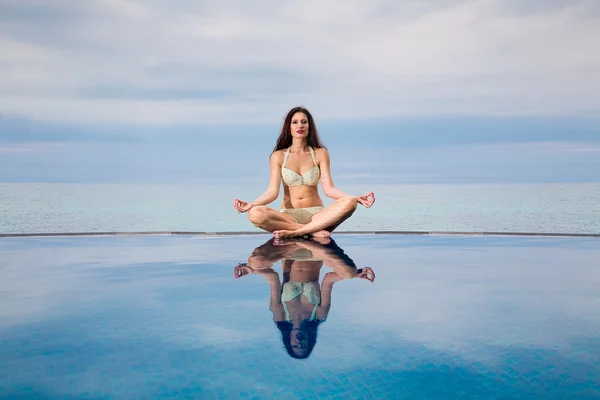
point(285, 138)
point(308, 327)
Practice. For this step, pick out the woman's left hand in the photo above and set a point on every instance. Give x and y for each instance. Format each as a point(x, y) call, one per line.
point(242, 206)
point(366, 200)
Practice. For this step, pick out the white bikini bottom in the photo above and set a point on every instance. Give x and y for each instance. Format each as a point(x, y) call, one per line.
point(302, 215)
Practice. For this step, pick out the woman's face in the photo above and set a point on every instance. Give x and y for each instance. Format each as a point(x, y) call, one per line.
point(299, 341)
point(299, 126)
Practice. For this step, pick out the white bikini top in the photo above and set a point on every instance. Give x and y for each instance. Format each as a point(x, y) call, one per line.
point(292, 178)
point(291, 290)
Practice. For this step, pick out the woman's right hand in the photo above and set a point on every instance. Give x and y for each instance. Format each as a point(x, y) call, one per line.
point(242, 206)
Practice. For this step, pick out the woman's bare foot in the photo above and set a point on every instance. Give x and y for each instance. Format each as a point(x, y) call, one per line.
point(284, 234)
point(321, 239)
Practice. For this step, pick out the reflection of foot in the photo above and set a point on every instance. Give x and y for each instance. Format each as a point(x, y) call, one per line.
point(321, 240)
point(284, 242)
point(283, 234)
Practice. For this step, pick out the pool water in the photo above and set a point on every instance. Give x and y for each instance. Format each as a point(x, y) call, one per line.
point(147, 317)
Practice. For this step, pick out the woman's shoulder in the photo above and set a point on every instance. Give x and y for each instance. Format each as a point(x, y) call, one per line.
point(277, 155)
point(321, 152)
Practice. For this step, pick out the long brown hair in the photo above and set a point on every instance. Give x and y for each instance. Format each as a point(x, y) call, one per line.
point(285, 138)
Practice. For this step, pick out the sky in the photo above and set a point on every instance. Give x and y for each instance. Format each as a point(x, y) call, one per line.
point(146, 91)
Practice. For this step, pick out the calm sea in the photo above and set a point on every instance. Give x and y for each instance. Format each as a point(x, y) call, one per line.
point(42, 208)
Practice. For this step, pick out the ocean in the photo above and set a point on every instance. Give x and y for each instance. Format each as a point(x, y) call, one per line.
point(69, 207)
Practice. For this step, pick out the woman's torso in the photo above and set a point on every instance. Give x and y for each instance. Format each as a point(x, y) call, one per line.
point(307, 272)
point(302, 173)
point(302, 271)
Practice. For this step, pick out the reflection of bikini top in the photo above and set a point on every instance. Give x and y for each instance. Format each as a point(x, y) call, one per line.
point(291, 290)
point(292, 178)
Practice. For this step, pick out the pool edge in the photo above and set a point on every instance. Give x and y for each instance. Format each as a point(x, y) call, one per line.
point(244, 233)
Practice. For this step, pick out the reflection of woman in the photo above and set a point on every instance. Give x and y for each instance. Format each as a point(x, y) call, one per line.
point(299, 303)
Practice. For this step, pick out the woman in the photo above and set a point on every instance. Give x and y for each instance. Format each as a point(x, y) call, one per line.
point(300, 303)
point(299, 160)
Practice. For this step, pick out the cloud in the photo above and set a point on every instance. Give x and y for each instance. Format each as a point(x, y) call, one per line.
point(28, 133)
point(202, 162)
point(145, 62)
point(486, 272)
point(37, 147)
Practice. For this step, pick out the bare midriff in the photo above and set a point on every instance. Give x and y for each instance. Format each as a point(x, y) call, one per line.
point(301, 196)
point(304, 271)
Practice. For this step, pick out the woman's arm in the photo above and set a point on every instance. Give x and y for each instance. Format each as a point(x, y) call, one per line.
point(272, 191)
point(326, 289)
point(275, 299)
point(329, 188)
point(272, 279)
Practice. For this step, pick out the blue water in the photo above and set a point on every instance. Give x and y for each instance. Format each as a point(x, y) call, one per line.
point(164, 317)
point(568, 208)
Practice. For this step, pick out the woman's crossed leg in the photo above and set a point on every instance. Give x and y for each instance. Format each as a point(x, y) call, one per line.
point(325, 220)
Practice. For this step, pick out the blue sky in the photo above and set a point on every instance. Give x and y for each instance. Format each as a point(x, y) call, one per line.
point(193, 91)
